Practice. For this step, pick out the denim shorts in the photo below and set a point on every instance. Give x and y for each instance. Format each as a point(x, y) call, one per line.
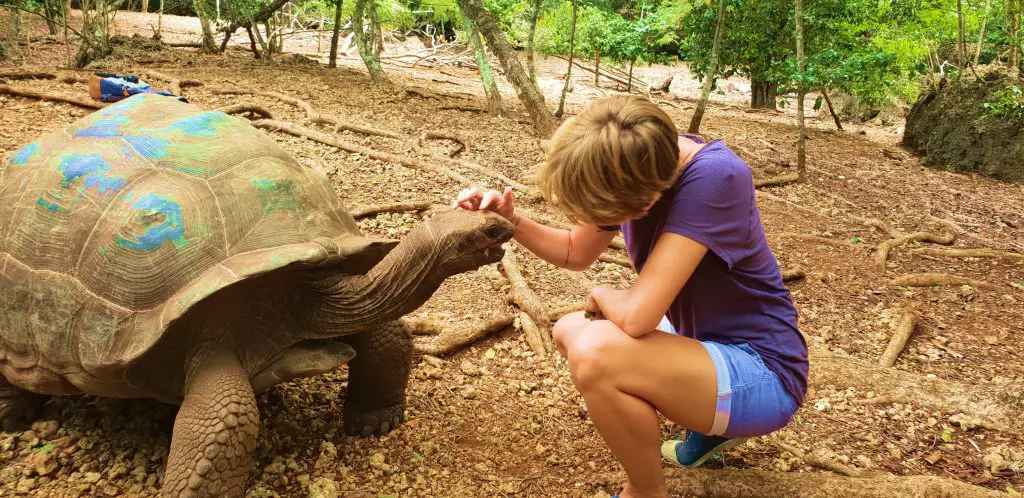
point(751, 398)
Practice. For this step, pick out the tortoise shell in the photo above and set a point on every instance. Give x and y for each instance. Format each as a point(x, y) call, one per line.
point(113, 227)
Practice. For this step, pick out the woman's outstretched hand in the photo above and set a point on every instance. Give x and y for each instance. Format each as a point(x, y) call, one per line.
point(501, 203)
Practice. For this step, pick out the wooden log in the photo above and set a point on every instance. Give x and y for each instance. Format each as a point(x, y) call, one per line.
point(899, 338)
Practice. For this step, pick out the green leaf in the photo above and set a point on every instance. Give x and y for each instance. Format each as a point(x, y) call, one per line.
point(416, 457)
point(947, 435)
point(46, 448)
point(817, 103)
point(1013, 492)
point(856, 240)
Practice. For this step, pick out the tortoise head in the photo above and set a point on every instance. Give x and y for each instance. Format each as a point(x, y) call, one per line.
point(462, 240)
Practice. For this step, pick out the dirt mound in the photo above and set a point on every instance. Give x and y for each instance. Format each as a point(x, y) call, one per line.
point(955, 129)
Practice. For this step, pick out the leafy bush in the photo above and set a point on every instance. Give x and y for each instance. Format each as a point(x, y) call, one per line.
point(1007, 104)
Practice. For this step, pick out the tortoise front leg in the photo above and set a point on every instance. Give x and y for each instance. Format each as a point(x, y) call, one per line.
point(375, 403)
point(214, 433)
point(17, 405)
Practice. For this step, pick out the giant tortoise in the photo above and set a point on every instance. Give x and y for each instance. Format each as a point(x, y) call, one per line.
point(152, 249)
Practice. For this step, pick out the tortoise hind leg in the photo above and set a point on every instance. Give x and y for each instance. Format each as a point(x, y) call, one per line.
point(214, 433)
point(17, 405)
point(375, 403)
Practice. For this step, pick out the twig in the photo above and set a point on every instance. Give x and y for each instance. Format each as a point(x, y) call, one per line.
point(521, 295)
point(938, 279)
point(899, 338)
point(367, 211)
point(35, 94)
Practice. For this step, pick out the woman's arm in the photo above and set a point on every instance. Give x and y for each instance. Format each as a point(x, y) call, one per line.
point(574, 249)
point(638, 310)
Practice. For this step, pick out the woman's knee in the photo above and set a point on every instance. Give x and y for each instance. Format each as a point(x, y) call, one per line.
point(590, 353)
point(566, 328)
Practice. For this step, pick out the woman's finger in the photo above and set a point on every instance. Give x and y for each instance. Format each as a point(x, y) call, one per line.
point(490, 200)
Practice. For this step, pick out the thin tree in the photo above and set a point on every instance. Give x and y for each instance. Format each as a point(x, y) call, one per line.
point(333, 61)
point(1013, 15)
point(366, 42)
point(568, 70)
point(981, 32)
point(486, 74)
point(801, 145)
point(709, 78)
point(961, 46)
point(209, 46)
point(159, 23)
point(530, 66)
point(529, 94)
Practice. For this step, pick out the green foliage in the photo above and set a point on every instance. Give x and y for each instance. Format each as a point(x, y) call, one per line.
point(606, 32)
point(1006, 104)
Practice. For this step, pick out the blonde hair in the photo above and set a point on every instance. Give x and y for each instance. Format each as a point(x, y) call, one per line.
point(611, 161)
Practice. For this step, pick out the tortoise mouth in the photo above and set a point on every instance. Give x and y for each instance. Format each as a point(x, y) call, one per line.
point(493, 253)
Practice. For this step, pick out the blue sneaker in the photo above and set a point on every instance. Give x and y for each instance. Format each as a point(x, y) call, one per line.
point(696, 448)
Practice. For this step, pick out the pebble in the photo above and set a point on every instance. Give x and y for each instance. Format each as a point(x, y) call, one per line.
point(469, 393)
point(92, 477)
point(42, 463)
point(46, 428)
point(328, 452)
point(26, 484)
point(323, 488)
point(994, 462)
point(377, 462)
point(469, 368)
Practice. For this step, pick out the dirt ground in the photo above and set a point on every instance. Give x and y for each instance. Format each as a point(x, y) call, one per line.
point(493, 419)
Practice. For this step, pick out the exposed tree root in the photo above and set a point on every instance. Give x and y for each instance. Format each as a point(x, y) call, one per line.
point(608, 258)
point(524, 298)
point(882, 252)
point(970, 253)
point(783, 179)
point(995, 406)
point(557, 313)
point(881, 225)
point(246, 109)
point(317, 136)
point(817, 461)
point(464, 108)
point(400, 207)
point(35, 94)
point(18, 76)
point(434, 135)
point(175, 83)
point(311, 113)
point(767, 195)
point(493, 174)
point(794, 274)
point(533, 335)
point(939, 279)
point(446, 341)
point(899, 339)
point(731, 483)
point(71, 79)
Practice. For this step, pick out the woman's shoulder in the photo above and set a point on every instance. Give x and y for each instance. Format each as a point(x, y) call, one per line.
point(716, 164)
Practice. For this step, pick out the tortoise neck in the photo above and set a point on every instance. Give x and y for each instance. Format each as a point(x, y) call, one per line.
point(396, 286)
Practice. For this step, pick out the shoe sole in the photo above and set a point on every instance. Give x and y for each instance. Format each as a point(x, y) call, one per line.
point(668, 452)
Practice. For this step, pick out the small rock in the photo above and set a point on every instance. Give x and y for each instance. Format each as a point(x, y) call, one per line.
point(469, 368)
point(933, 457)
point(323, 488)
point(469, 393)
point(540, 450)
point(276, 467)
point(42, 463)
point(377, 462)
point(433, 360)
point(994, 462)
point(92, 477)
point(991, 339)
point(481, 467)
point(46, 428)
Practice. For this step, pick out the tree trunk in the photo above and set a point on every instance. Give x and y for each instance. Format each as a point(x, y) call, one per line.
point(365, 43)
point(208, 44)
point(597, 67)
point(1014, 34)
point(530, 41)
point(831, 110)
point(762, 94)
point(981, 32)
point(333, 61)
point(486, 74)
point(630, 84)
point(159, 22)
point(568, 69)
point(252, 42)
point(801, 145)
point(709, 79)
point(529, 94)
point(961, 46)
point(145, 6)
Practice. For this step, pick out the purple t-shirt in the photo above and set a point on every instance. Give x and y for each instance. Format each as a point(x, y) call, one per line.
point(736, 293)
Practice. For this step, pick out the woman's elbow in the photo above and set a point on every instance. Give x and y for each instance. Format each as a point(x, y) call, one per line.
point(576, 264)
point(638, 327)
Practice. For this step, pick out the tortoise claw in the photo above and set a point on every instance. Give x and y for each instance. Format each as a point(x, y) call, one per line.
point(367, 422)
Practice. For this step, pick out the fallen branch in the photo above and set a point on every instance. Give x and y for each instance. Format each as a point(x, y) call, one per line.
point(433, 135)
point(317, 136)
point(367, 211)
point(729, 483)
point(969, 253)
point(524, 298)
point(899, 339)
point(882, 252)
point(446, 341)
point(791, 275)
point(783, 179)
point(939, 279)
point(246, 108)
point(35, 94)
point(816, 461)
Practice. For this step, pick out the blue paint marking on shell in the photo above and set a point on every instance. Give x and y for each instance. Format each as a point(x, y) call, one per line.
point(104, 126)
point(51, 206)
point(199, 125)
point(170, 228)
point(25, 154)
point(93, 169)
point(148, 146)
